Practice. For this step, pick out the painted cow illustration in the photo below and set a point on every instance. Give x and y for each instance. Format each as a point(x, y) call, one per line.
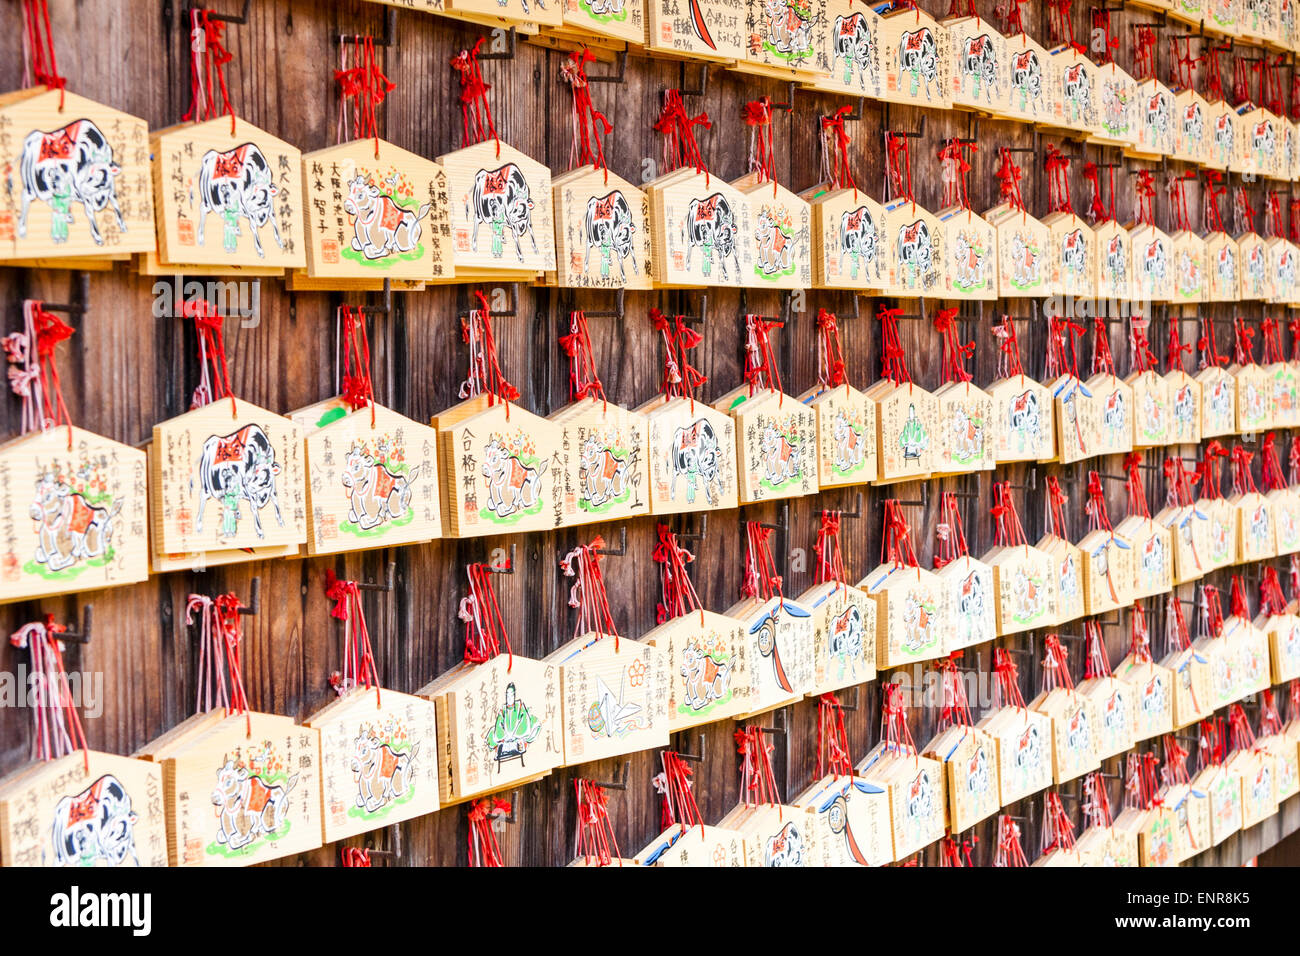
point(1225, 264)
point(68, 528)
point(1076, 87)
point(1029, 750)
point(238, 184)
point(238, 467)
point(858, 239)
point(920, 798)
point(1263, 140)
point(68, 165)
point(1024, 262)
point(789, 28)
point(977, 772)
point(96, 827)
point(1078, 735)
point(853, 42)
point(601, 8)
point(1027, 78)
point(1024, 417)
point(980, 62)
point(500, 200)
point(1074, 253)
point(1116, 260)
point(844, 635)
point(970, 267)
point(1153, 558)
point(1223, 137)
point(711, 226)
point(1114, 416)
point(970, 599)
point(780, 456)
point(1155, 699)
point(1068, 577)
point(1154, 265)
point(602, 474)
point(918, 54)
point(380, 225)
point(1113, 713)
point(786, 848)
point(1024, 592)
point(693, 456)
point(914, 252)
point(512, 485)
point(1159, 118)
point(967, 436)
point(375, 494)
point(383, 775)
point(705, 679)
point(916, 624)
point(775, 246)
point(247, 808)
point(1184, 405)
point(1193, 124)
point(1255, 268)
point(850, 444)
point(609, 228)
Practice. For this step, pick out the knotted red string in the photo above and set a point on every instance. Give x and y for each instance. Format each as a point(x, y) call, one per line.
point(38, 44)
point(896, 737)
point(1243, 342)
point(1058, 829)
point(1175, 348)
point(1096, 663)
point(594, 842)
point(485, 628)
point(34, 376)
point(359, 668)
point(1213, 190)
point(476, 113)
point(1271, 465)
point(757, 781)
point(1243, 212)
point(678, 594)
point(835, 151)
point(955, 166)
point(208, 59)
point(896, 544)
point(1242, 737)
point(1103, 360)
point(1006, 680)
point(1008, 348)
point(584, 381)
point(950, 532)
point(893, 357)
point(587, 594)
point(1139, 636)
point(1270, 721)
point(1211, 611)
point(680, 379)
point(1178, 199)
point(898, 167)
point(678, 130)
point(1175, 768)
point(1146, 196)
point(1144, 53)
point(1213, 74)
point(757, 115)
point(1095, 806)
point(1273, 227)
point(1008, 176)
point(1098, 517)
point(830, 562)
point(485, 375)
point(220, 666)
point(1009, 851)
point(1240, 608)
point(1137, 493)
point(362, 87)
point(1056, 665)
point(1271, 599)
point(955, 708)
point(354, 856)
point(674, 784)
point(590, 127)
point(760, 578)
point(358, 387)
point(483, 847)
point(1010, 10)
point(832, 740)
point(761, 371)
point(1060, 23)
point(830, 355)
point(1182, 63)
point(1210, 747)
point(1058, 181)
point(56, 725)
point(1056, 502)
point(1293, 225)
point(214, 377)
point(1209, 470)
point(1097, 210)
point(1208, 348)
point(955, 352)
point(1008, 530)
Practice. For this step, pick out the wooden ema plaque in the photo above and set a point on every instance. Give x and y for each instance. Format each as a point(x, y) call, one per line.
point(507, 12)
point(1190, 690)
point(1284, 386)
point(971, 246)
point(846, 435)
point(602, 231)
point(227, 199)
point(1223, 789)
point(228, 480)
point(1107, 571)
point(1288, 28)
point(917, 804)
point(781, 240)
point(614, 696)
point(1072, 412)
point(1024, 588)
point(501, 467)
point(1189, 11)
point(1115, 708)
point(776, 443)
point(371, 485)
point(1152, 412)
point(1026, 263)
point(1218, 402)
point(1113, 279)
point(1286, 764)
point(848, 821)
point(1185, 407)
point(1254, 398)
point(1252, 257)
point(848, 56)
point(497, 725)
point(702, 231)
point(378, 761)
point(965, 432)
point(969, 603)
point(698, 845)
point(619, 19)
point(1256, 531)
point(376, 211)
point(1223, 129)
point(915, 59)
point(235, 797)
point(606, 462)
point(1073, 718)
point(1022, 421)
point(501, 216)
point(1153, 691)
point(1155, 120)
point(780, 38)
point(905, 444)
point(1073, 245)
point(980, 65)
point(970, 759)
point(1151, 263)
point(1032, 96)
point(1288, 167)
point(850, 250)
point(75, 519)
point(844, 636)
point(778, 637)
point(1117, 121)
point(1258, 142)
point(1024, 758)
point(1190, 534)
point(1110, 414)
point(59, 813)
point(773, 835)
point(1152, 557)
point(1258, 784)
point(78, 179)
point(1192, 132)
point(702, 29)
point(1067, 576)
point(1191, 268)
point(1284, 503)
point(909, 614)
point(1258, 20)
point(692, 456)
point(1282, 261)
point(1221, 533)
point(915, 254)
point(1078, 83)
point(708, 667)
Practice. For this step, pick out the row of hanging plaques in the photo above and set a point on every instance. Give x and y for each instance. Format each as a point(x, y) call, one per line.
point(231, 482)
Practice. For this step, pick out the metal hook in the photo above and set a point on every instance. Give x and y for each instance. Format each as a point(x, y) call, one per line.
point(254, 604)
point(695, 535)
point(701, 88)
point(622, 545)
point(241, 17)
point(395, 841)
point(513, 310)
point(857, 700)
point(82, 636)
point(509, 565)
point(508, 53)
point(80, 296)
point(386, 298)
point(388, 39)
point(922, 502)
point(388, 580)
point(614, 313)
point(612, 77)
point(693, 758)
point(620, 783)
